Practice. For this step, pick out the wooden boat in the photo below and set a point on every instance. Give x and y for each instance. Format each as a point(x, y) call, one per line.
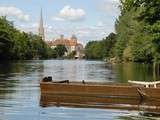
point(99, 90)
point(100, 95)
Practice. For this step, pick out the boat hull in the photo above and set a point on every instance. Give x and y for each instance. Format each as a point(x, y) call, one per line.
point(107, 96)
point(98, 90)
point(48, 100)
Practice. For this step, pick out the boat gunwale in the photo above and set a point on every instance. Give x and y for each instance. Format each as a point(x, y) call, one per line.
point(102, 84)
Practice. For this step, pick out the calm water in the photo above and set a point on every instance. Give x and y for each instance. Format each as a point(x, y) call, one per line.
point(20, 95)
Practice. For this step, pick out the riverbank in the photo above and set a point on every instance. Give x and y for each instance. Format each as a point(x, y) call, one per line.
point(136, 37)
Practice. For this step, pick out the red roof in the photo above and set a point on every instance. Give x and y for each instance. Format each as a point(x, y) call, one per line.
point(65, 42)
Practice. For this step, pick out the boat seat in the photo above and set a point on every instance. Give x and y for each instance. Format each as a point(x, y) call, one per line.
point(146, 84)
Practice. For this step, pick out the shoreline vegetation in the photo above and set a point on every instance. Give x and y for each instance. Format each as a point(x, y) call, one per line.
point(19, 45)
point(136, 37)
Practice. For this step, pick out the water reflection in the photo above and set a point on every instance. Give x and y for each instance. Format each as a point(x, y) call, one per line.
point(146, 107)
point(133, 71)
point(136, 117)
point(78, 70)
point(20, 94)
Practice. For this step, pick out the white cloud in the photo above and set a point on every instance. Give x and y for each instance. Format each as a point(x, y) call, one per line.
point(84, 33)
point(14, 12)
point(70, 14)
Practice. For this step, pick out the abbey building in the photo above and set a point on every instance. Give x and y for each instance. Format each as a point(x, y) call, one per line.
point(41, 28)
point(71, 44)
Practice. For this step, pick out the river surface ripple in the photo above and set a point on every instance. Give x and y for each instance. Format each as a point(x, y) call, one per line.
point(20, 94)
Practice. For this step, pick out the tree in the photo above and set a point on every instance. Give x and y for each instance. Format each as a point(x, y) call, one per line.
point(15, 44)
point(138, 31)
point(93, 50)
point(101, 49)
point(151, 16)
point(71, 55)
point(60, 50)
point(5, 45)
point(109, 43)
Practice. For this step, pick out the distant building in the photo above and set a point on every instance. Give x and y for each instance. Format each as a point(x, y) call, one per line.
point(71, 45)
point(41, 28)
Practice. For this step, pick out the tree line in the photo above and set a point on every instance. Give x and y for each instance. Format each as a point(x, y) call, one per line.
point(138, 31)
point(15, 44)
point(137, 34)
point(19, 45)
point(101, 49)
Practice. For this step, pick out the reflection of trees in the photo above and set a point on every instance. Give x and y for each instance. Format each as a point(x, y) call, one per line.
point(6, 68)
point(133, 71)
point(130, 117)
point(12, 73)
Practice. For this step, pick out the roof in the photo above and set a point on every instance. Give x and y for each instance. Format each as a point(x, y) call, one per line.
point(65, 42)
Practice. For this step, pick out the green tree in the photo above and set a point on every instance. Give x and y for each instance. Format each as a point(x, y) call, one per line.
point(60, 50)
point(101, 49)
point(71, 55)
point(93, 50)
point(137, 31)
point(5, 45)
point(15, 44)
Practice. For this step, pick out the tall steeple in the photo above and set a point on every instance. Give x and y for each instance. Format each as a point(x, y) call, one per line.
point(41, 28)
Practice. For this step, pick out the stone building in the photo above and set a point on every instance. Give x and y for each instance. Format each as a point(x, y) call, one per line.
point(71, 45)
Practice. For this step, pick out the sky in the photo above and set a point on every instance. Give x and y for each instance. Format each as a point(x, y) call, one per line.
point(87, 19)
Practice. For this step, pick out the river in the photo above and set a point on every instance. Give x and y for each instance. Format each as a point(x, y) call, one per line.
point(20, 92)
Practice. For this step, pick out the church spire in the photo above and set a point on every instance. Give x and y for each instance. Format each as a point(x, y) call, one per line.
point(41, 28)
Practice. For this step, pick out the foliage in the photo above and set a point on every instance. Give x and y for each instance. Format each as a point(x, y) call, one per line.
point(100, 49)
point(5, 44)
point(52, 53)
point(15, 44)
point(60, 50)
point(71, 55)
point(137, 34)
point(138, 31)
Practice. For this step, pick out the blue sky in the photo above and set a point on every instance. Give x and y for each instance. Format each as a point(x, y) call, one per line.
point(87, 19)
